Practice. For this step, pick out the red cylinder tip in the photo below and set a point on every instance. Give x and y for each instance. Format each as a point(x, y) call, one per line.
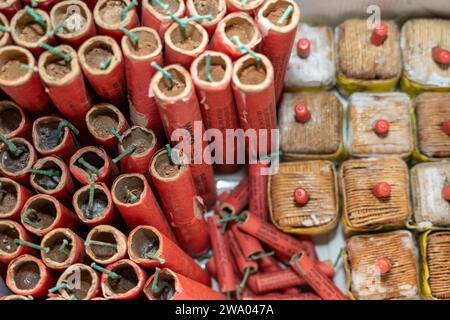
point(301, 196)
point(383, 265)
point(381, 127)
point(382, 190)
point(379, 34)
point(303, 48)
point(302, 114)
point(446, 127)
point(446, 193)
point(440, 55)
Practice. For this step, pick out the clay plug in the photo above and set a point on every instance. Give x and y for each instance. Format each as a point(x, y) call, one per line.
point(446, 192)
point(381, 127)
point(379, 34)
point(446, 127)
point(303, 48)
point(301, 196)
point(302, 114)
point(382, 190)
point(440, 55)
point(383, 265)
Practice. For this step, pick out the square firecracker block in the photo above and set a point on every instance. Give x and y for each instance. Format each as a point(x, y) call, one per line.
point(433, 125)
point(310, 125)
point(424, 44)
point(363, 65)
point(375, 194)
point(430, 187)
point(435, 256)
point(382, 266)
point(303, 197)
point(380, 125)
point(312, 63)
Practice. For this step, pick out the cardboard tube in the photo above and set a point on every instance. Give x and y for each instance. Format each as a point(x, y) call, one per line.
point(66, 248)
point(99, 159)
point(174, 286)
point(65, 85)
point(317, 280)
point(243, 263)
point(60, 185)
point(9, 250)
point(281, 279)
point(222, 256)
point(27, 33)
point(278, 38)
point(217, 103)
point(45, 5)
point(10, 7)
point(249, 245)
point(255, 98)
point(130, 284)
point(215, 8)
point(250, 7)
point(107, 17)
point(106, 244)
point(77, 20)
point(133, 197)
point(100, 119)
point(48, 140)
point(16, 165)
point(184, 48)
point(239, 24)
point(157, 18)
point(271, 236)
point(183, 208)
point(14, 122)
point(12, 201)
point(28, 276)
point(103, 211)
point(14, 81)
point(258, 204)
point(149, 248)
point(5, 37)
point(89, 287)
point(179, 109)
point(108, 83)
point(139, 72)
point(145, 143)
point(237, 200)
point(43, 213)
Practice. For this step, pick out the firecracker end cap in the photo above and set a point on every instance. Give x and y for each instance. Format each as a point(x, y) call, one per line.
point(379, 34)
point(440, 55)
point(381, 127)
point(446, 127)
point(302, 114)
point(383, 265)
point(301, 196)
point(382, 190)
point(446, 192)
point(303, 48)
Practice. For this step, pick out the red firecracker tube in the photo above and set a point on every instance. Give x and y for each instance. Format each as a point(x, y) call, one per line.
point(183, 208)
point(215, 96)
point(139, 72)
point(102, 63)
point(133, 197)
point(150, 249)
point(36, 101)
